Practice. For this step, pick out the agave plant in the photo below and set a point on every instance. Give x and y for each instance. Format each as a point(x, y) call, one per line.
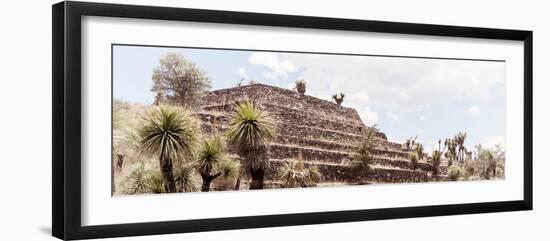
point(213, 162)
point(295, 174)
point(171, 134)
point(250, 131)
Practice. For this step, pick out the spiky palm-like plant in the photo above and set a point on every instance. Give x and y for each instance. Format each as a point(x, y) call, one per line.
point(155, 183)
point(451, 153)
point(186, 179)
point(459, 139)
point(301, 86)
point(417, 154)
point(338, 98)
point(413, 157)
point(142, 181)
point(250, 131)
point(364, 156)
point(171, 134)
point(213, 162)
point(436, 161)
point(295, 174)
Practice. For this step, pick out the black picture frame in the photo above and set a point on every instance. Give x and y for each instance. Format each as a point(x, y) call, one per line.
point(66, 127)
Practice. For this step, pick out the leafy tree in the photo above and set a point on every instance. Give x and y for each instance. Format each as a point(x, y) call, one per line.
point(178, 80)
point(250, 132)
point(171, 134)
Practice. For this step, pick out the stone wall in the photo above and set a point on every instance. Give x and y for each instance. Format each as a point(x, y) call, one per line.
point(315, 131)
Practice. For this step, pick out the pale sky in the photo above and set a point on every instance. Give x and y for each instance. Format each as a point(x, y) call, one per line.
point(404, 97)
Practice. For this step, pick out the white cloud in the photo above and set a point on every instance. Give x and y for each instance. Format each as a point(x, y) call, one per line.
point(394, 116)
point(421, 117)
point(278, 66)
point(474, 111)
point(493, 141)
point(368, 116)
point(399, 85)
point(242, 72)
point(360, 96)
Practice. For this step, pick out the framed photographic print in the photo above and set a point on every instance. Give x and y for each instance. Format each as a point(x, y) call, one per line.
point(170, 120)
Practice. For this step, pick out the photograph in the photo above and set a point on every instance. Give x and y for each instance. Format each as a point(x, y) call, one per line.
point(196, 119)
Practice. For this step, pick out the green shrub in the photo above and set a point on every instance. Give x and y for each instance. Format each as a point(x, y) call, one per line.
point(454, 173)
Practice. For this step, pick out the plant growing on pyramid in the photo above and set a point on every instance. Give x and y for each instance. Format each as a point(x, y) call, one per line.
point(301, 86)
point(338, 98)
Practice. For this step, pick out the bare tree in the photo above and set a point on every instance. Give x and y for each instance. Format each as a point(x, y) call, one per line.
point(179, 81)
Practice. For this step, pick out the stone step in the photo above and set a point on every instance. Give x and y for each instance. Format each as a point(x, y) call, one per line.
point(281, 151)
point(314, 137)
point(264, 94)
point(342, 173)
point(285, 129)
point(382, 150)
point(289, 115)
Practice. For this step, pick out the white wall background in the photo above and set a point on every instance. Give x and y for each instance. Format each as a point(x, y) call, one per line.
point(25, 122)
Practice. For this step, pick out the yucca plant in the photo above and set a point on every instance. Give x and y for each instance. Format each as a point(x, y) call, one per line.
point(142, 181)
point(171, 134)
point(418, 155)
point(295, 174)
point(154, 183)
point(413, 157)
point(301, 86)
point(186, 179)
point(213, 161)
point(137, 182)
point(249, 132)
point(459, 139)
point(436, 161)
point(338, 98)
point(364, 156)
